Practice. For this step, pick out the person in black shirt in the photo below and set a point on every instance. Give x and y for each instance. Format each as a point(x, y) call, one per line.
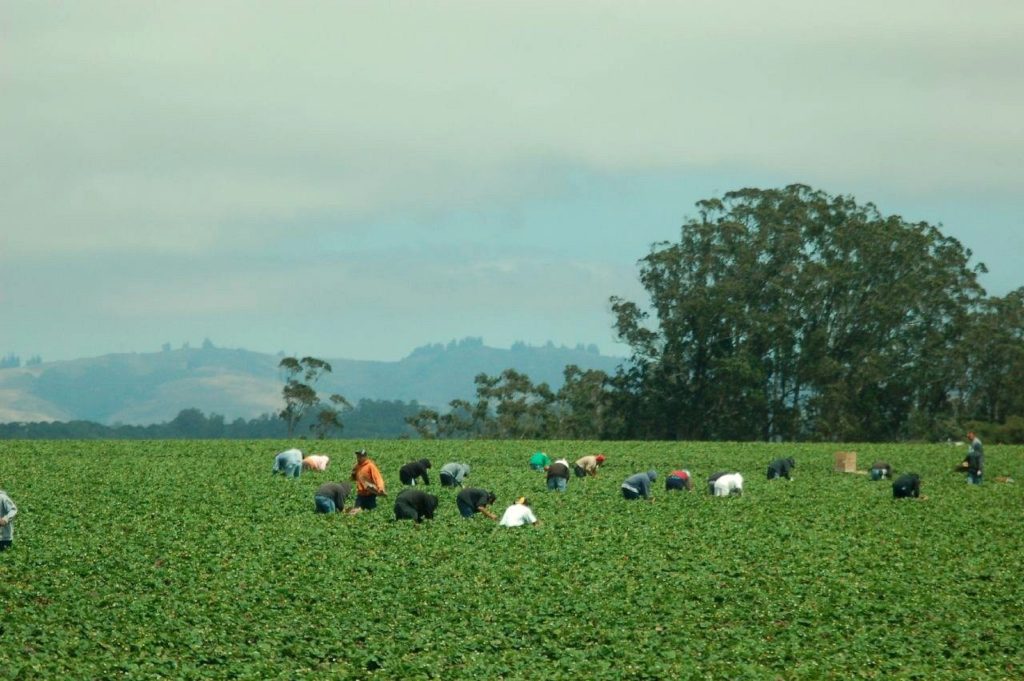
point(558, 475)
point(330, 497)
point(472, 500)
point(781, 468)
point(417, 469)
point(412, 504)
point(907, 486)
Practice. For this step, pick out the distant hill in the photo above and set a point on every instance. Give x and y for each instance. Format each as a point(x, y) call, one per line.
point(144, 388)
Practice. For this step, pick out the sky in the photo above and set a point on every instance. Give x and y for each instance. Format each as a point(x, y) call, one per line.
point(356, 179)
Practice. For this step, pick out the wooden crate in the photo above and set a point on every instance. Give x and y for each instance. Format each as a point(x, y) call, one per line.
point(846, 462)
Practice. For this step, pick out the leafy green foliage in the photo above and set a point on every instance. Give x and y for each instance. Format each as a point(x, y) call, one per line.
point(186, 559)
point(793, 313)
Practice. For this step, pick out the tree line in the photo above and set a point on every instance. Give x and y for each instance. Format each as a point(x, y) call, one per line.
point(785, 314)
point(368, 419)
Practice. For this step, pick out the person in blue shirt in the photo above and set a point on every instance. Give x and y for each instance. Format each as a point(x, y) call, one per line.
point(288, 463)
point(639, 485)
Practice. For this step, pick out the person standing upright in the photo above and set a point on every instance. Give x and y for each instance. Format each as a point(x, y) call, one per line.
point(975, 459)
point(369, 482)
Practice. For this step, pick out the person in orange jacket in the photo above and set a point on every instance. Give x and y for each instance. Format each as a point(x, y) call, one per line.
point(369, 482)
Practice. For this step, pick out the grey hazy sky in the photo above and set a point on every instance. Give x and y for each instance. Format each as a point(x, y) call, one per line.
point(354, 179)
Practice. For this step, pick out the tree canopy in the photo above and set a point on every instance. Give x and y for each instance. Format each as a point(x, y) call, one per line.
point(795, 314)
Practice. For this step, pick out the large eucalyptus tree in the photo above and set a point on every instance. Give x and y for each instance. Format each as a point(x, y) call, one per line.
point(793, 313)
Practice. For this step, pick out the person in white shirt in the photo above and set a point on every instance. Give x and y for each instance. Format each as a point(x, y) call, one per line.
point(519, 514)
point(725, 484)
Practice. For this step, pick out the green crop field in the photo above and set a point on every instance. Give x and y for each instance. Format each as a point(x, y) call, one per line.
point(185, 559)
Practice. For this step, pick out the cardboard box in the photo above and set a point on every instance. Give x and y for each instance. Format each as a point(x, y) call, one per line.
point(846, 462)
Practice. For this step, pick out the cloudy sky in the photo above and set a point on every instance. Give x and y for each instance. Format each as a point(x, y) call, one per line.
point(355, 179)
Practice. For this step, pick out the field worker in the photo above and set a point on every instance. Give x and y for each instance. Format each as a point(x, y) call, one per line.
point(975, 460)
point(680, 479)
point(781, 468)
point(907, 486)
point(288, 463)
point(519, 514)
point(588, 465)
point(539, 460)
point(475, 500)
point(416, 469)
point(412, 504)
point(316, 462)
point(330, 497)
point(639, 485)
point(558, 475)
point(369, 482)
point(7, 512)
point(726, 484)
point(880, 470)
point(453, 473)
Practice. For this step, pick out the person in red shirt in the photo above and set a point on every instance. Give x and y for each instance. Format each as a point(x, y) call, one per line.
point(369, 482)
point(679, 480)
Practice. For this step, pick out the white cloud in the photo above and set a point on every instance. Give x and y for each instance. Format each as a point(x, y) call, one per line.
point(181, 127)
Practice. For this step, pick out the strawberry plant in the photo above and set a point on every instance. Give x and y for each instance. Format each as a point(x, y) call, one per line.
point(148, 560)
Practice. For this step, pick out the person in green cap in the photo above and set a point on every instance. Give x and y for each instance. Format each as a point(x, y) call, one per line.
point(539, 460)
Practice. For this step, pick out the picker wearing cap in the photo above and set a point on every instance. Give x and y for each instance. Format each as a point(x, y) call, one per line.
point(519, 514)
point(588, 465)
point(369, 482)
